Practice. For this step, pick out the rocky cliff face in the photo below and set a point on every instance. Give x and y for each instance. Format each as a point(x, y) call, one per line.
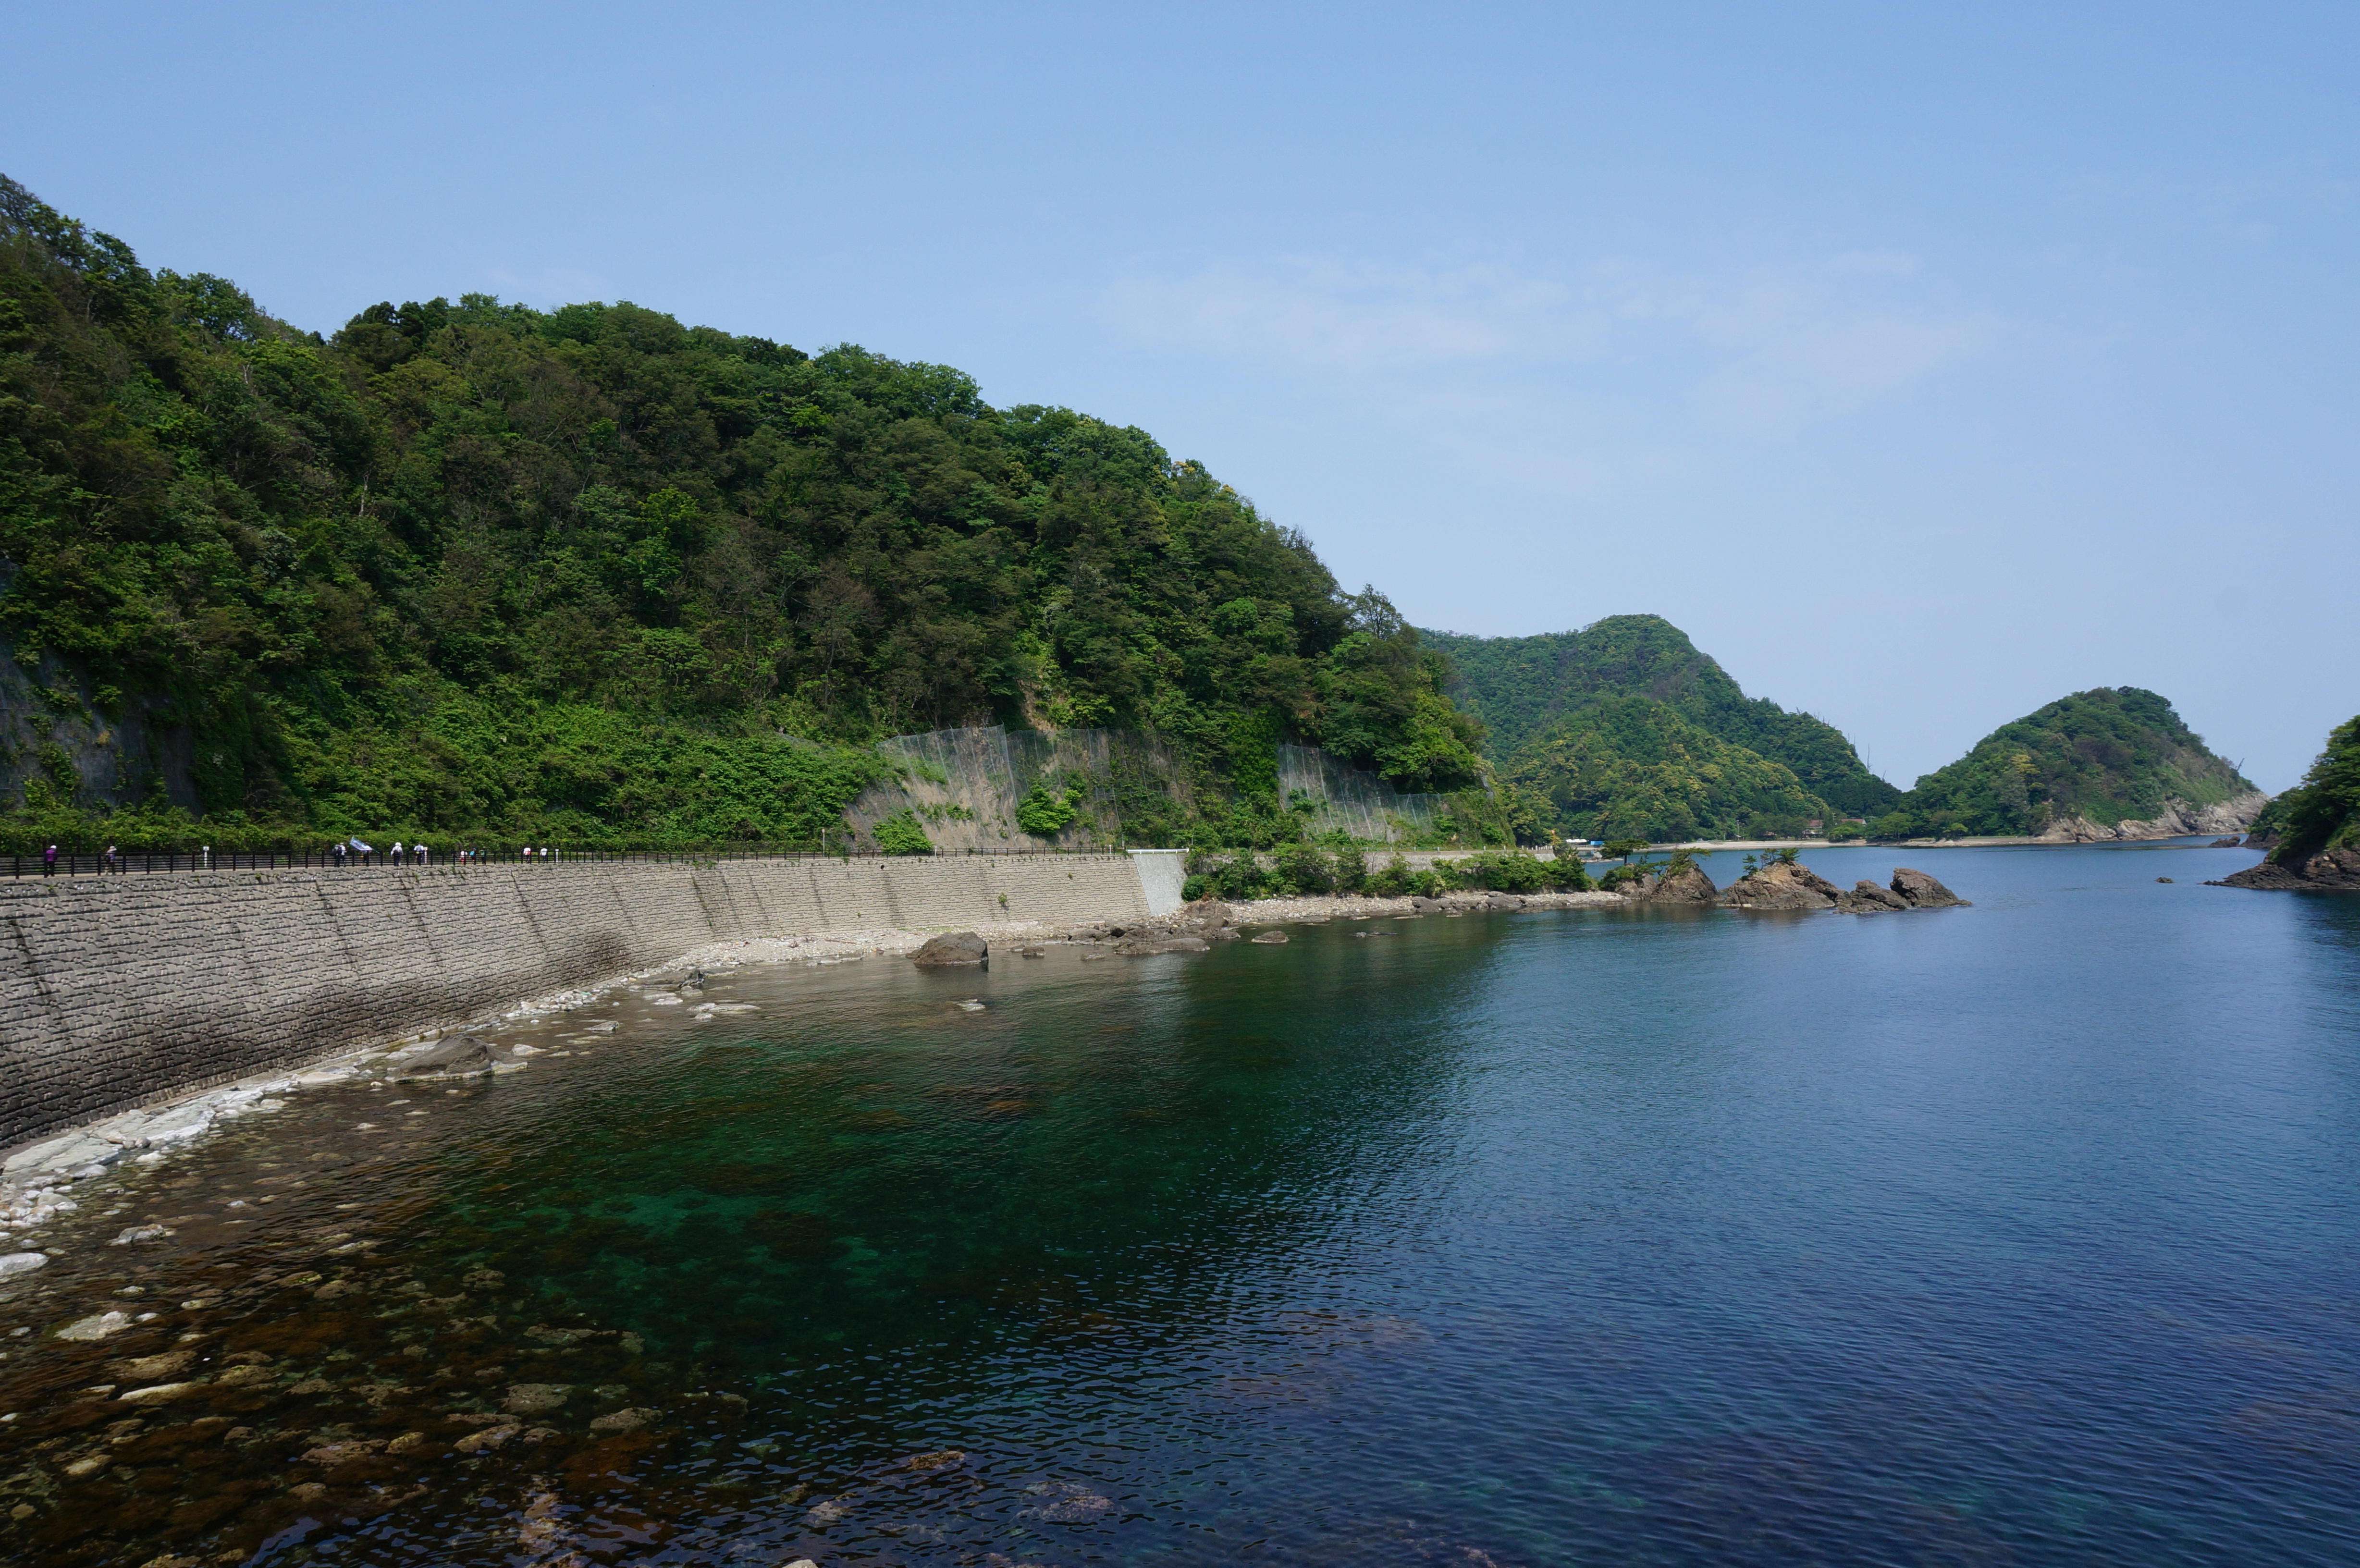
point(2330, 871)
point(2177, 819)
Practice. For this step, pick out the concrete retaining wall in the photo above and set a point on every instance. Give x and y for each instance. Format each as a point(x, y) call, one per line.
point(116, 990)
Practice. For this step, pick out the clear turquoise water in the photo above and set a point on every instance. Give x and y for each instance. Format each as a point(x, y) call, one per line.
point(2023, 1234)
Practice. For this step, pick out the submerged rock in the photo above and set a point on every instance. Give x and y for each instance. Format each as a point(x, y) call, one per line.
point(623, 1420)
point(1271, 938)
point(469, 1056)
point(95, 1327)
point(953, 948)
point(533, 1398)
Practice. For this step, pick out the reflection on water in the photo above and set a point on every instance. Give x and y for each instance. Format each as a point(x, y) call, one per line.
point(2017, 1234)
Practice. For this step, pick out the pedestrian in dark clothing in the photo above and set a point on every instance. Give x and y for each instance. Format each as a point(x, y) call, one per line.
point(338, 850)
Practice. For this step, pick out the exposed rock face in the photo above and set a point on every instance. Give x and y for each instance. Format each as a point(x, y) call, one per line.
point(1923, 892)
point(1271, 938)
point(2179, 819)
point(2330, 871)
point(1689, 885)
point(1780, 885)
point(957, 947)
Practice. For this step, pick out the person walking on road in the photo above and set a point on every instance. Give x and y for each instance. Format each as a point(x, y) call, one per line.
point(49, 861)
point(109, 864)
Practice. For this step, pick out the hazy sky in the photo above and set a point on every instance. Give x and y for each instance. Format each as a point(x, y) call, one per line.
point(1925, 364)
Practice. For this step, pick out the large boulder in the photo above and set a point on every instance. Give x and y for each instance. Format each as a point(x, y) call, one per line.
point(954, 948)
point(1781, 886)
point(1684, 884)
point(1922, 892)
point(1203, 918)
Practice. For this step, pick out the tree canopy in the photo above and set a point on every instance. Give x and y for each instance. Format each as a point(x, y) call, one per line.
point(476, 566)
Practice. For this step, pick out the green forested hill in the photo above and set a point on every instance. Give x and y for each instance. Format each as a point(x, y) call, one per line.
point(594, 574)
point(1632, 766)
point(2111, 755)
point(1545, 699)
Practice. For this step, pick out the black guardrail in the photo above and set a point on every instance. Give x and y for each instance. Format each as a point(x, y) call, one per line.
point(86, 863)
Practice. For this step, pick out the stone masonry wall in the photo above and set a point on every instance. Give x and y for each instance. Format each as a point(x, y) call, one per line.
point(116, 990)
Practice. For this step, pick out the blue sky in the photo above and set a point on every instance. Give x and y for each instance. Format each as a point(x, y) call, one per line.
point(1924, 364)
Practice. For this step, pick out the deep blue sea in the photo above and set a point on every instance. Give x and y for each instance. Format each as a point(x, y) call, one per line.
point(2023, 1234)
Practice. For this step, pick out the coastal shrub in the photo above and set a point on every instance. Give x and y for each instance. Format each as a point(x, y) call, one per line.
point(1393, 881)
point(1240, 877)
point(1304, 869)
point(1507, 871)
point(1568, 875)
point(900, 834)
point(1194, 887)
point(1427, 885)
point(1351, 871)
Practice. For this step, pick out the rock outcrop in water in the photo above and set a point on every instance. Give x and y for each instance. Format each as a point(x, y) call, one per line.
point(1909, 890)
point(1676, 883)
point(2330, 871)
point(1785, 885)
point(953, 948)
point(1781, 885)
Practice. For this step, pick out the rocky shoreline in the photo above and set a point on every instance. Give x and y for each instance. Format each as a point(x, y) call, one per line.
point(2330, 871)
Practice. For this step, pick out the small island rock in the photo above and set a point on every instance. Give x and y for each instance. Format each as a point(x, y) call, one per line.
point(1923, 892)
point(1684, 885)
point(1781, 885)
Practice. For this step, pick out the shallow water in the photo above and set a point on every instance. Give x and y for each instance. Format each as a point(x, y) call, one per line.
point(2021, 1233)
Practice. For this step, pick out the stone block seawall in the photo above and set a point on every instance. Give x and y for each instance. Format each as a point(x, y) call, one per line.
point(116, 990)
